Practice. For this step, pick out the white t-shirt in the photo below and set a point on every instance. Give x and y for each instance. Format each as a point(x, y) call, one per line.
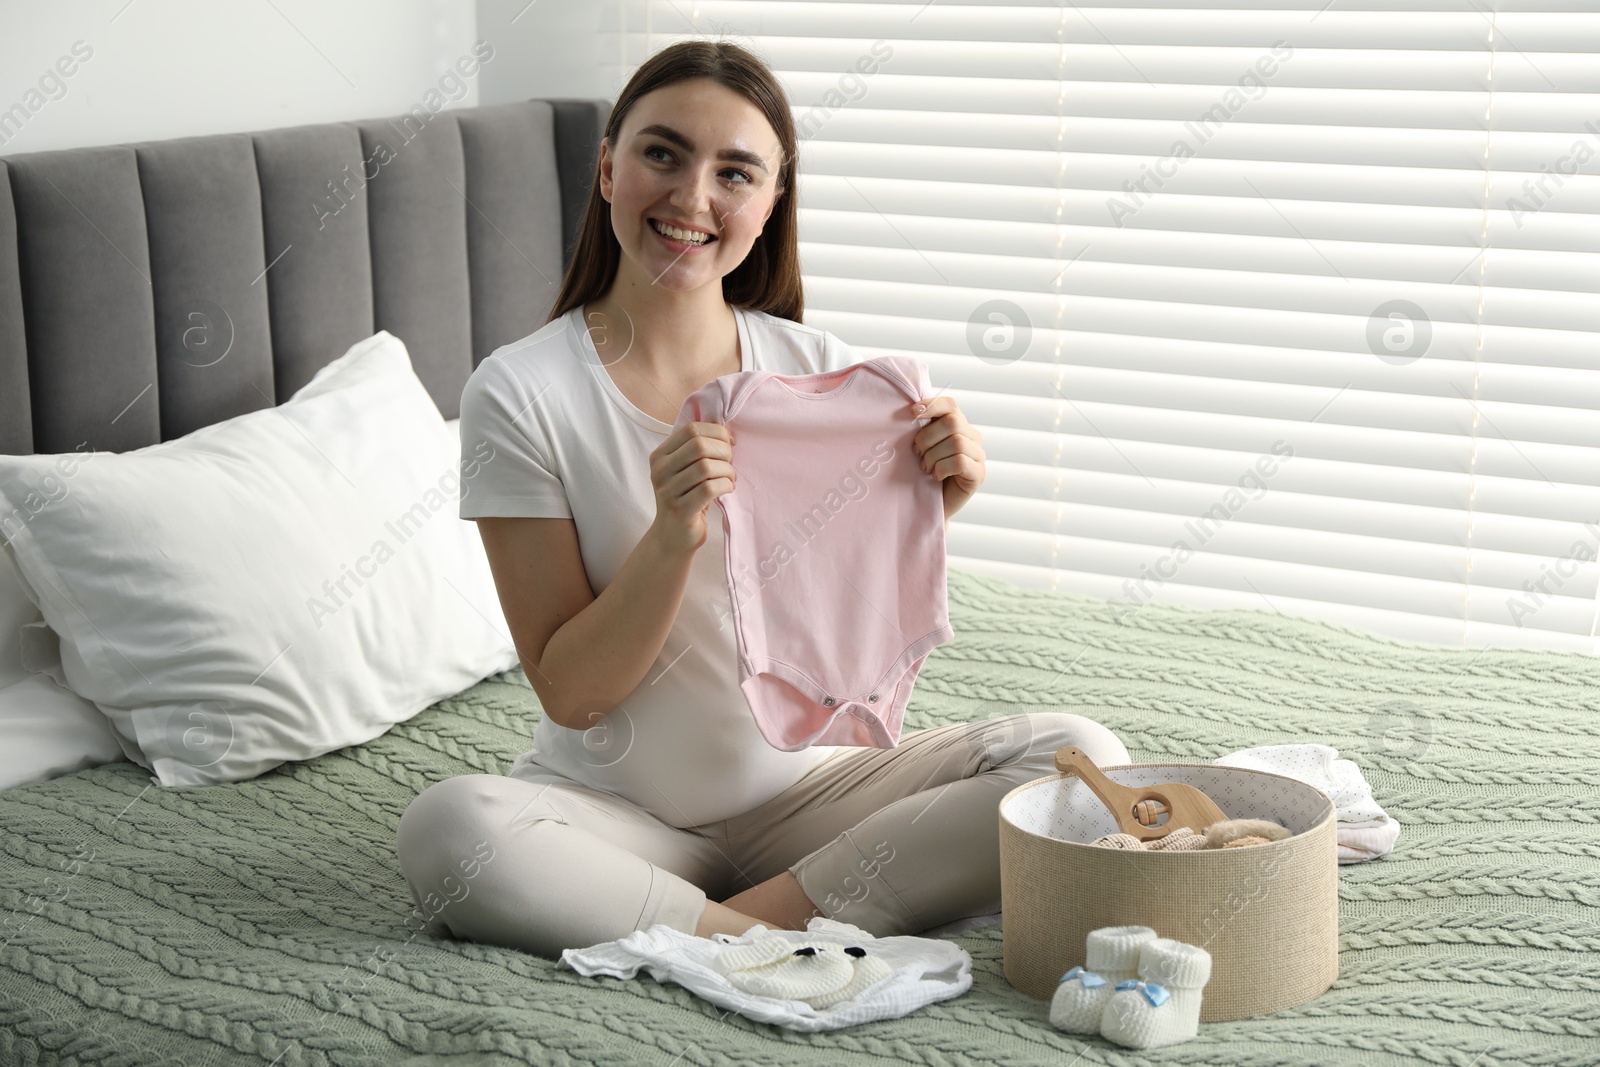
point(545, 432)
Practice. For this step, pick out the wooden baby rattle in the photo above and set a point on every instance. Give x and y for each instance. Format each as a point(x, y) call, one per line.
point(1137, 809)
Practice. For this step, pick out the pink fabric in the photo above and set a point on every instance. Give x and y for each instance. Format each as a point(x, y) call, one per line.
point(835, 547)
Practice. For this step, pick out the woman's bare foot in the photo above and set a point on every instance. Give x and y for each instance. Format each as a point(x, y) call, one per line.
point(779, 902)
point(721, 919)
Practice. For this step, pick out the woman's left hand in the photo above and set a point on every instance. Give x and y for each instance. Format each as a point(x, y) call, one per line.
point(949, 448)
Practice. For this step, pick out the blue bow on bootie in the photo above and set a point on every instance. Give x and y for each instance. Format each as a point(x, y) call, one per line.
point(1156, 994)
point(1089, 979)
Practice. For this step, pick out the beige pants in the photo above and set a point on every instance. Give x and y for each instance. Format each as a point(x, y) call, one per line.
point(895, 841)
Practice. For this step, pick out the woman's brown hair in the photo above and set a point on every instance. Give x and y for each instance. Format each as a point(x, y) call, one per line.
point(769, 278)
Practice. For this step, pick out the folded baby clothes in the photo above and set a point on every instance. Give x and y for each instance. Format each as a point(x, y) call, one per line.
point(770, 976)
point(1358, 843)
point(1365, 831)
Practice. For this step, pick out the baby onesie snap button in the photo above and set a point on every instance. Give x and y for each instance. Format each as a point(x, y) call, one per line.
point(873, 699)
point(827, 702)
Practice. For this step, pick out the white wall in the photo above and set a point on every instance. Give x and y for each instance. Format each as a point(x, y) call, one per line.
point(548, 48)
point(173, 68)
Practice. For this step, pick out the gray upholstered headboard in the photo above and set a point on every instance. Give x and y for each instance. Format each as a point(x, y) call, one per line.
point(147, 290)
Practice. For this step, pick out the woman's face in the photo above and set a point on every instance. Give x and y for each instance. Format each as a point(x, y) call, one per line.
point(699, 155)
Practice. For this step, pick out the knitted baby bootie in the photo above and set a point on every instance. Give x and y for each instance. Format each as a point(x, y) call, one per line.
point(766, 949)
point(1111, 954)
point(870, 970)
point(1162, 1006)
point(818, 975)
point(771, 967)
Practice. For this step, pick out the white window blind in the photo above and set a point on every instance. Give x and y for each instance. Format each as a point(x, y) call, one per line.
point(1287, 304)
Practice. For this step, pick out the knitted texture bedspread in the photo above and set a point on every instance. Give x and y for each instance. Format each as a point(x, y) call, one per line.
point(267, 921)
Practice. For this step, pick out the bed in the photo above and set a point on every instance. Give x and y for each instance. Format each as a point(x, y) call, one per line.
point(266, 921)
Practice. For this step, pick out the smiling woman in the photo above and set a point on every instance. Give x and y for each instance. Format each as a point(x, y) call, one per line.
point(650, 794)
point(701, 141)
point(693, 171)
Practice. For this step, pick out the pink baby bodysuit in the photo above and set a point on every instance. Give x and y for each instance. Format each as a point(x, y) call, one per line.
point(835, 547)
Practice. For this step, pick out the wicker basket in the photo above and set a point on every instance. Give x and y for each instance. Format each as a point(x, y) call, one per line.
point(1268, 914)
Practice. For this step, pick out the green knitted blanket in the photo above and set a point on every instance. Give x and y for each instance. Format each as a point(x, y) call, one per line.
point(267, 922)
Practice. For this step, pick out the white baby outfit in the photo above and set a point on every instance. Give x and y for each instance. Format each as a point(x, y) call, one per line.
point(760, 975)
point(1365, 831)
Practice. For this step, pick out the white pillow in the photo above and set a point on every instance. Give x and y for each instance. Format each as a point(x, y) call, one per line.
point(45, 730)
point(15, 609)
point(265, 589)
point(50, 731)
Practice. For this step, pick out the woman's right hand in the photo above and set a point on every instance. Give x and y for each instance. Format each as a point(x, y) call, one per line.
point(689, 470)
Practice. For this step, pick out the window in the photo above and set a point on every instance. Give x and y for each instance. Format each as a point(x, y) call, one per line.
point(1269, 305)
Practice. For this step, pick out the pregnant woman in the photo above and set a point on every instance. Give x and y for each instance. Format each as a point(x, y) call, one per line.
point(650, 795)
